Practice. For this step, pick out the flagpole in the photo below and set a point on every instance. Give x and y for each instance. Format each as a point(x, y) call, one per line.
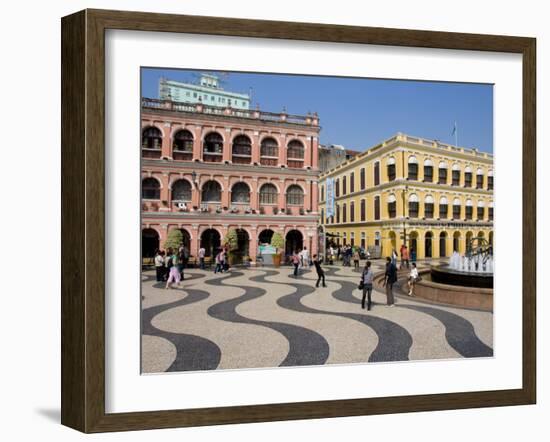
point(456, 134)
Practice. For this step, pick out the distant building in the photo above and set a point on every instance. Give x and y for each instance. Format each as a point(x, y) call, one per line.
point(333, 155)
point(206, 171)
point(208, 91)
point(435, 197)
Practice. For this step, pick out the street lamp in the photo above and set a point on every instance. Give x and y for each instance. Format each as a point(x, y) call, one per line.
point(404, 195)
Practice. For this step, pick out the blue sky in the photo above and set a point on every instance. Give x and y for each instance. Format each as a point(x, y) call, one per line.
point(360, 112)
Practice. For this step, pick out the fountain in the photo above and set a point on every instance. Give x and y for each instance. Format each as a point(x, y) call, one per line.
point(474, 269)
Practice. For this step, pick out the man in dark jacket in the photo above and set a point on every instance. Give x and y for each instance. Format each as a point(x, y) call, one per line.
point(320, 271)
point(390, 278)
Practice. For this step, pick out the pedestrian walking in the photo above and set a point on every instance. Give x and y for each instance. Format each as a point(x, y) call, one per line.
point(295, 259)
point(356, 257)
point(219, 262)
point(404, 256)
point(390, 278)
point(159, 265)
point(320, 272)
point(394, 257)
point(174, 275)
point(304, 256)
point(413, 279)
point(367, 278)
point(202, 254)
point(180, 264)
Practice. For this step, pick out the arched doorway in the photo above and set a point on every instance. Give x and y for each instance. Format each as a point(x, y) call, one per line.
point(186, 238)
point(428, 245)
point(456, 242)
point(242, 246)
point(442, 244)
point(149, 242)
point(265, 236)
point(294, 241)
point(469, 236)
point(210, 240)
point(413, 242)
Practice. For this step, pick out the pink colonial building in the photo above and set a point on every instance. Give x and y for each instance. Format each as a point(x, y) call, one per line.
point(206, 170)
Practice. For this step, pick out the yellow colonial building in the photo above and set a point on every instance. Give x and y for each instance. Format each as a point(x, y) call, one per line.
point(431, 195)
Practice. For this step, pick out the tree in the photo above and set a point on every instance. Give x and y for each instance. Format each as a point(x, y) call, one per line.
point(231, 240)
point(277, 241)
point(174, 239)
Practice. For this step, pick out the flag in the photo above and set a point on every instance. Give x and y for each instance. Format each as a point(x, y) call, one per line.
point(454, 129)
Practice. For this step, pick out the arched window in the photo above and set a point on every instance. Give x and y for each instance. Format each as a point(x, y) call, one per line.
point(428, 171)
point(376, 207)
point(376, 173)
point(413, 206)
point(240, 193)
point(491, 205)
point(268, 194)
point(269, 152)
point(212, 148)
point(479, 178)
point(242, 150)
point(351, 212)
point(480, 210)
point(442, 173)
point(443, 208)
point(392, 206)
point(456, 175)
point(181, 191)
point(211, 192)
point(468, 176)
point(151, 142)
point(469, 209)
point(295, 195)
point(344, 213)
point(429, 206)
point(363, 210)
point(295, 154)
point(490, 180)
point(150, 189)
point(413, 168)
point(391, 168)
point(456, 208)
point(183, 145)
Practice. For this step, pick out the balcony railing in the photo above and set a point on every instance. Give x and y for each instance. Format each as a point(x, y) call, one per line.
point(150, 153)
point(156, 104)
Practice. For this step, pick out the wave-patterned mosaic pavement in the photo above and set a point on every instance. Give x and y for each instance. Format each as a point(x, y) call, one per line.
point(265, 317)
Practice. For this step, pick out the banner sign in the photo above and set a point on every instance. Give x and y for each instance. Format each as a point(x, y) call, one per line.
point(330, 197)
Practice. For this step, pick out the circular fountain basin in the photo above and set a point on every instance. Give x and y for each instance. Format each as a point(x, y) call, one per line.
point(443, 274)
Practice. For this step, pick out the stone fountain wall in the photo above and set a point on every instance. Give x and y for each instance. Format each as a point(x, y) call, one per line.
point(471, 297)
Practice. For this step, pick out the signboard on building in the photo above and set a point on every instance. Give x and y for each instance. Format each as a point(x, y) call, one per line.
point(330, 197)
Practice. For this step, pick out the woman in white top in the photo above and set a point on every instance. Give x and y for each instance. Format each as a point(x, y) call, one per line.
point(413, 277)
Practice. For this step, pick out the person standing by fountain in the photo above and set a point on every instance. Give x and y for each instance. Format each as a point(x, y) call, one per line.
point(390, 278)
point(413, 277)
point(367, 278)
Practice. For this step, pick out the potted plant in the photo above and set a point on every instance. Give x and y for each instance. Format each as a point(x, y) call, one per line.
point(278, 242)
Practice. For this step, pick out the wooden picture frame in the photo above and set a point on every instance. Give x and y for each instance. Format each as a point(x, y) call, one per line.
point(83, 220)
